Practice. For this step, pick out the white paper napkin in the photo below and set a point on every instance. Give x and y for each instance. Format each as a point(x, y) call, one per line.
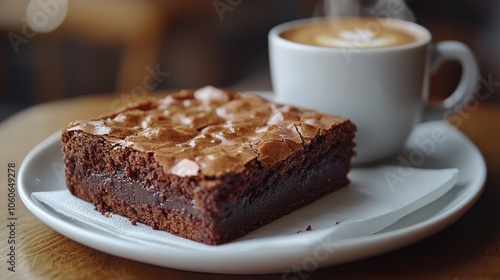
point(376, 198)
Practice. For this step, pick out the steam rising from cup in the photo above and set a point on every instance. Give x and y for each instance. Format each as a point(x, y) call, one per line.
point(364, 34)
point(365, 8)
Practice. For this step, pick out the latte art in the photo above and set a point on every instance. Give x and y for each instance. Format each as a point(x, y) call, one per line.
point(359, 38)
point(350, 33)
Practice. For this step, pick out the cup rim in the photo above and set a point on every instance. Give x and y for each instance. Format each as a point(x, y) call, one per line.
point(275, 34)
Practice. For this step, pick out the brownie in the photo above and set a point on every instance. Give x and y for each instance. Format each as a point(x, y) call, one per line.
point(209, 165)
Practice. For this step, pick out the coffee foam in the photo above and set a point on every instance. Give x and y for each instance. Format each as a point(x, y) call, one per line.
point(352, 33)
point(360, 37)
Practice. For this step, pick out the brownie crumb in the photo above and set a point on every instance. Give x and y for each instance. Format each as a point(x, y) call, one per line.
point(337, 222)
point(309, 227)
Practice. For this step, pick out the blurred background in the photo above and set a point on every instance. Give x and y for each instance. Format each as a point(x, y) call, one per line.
point(54, 49)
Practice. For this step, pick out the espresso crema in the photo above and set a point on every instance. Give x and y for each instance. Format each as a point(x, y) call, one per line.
point(351, 33)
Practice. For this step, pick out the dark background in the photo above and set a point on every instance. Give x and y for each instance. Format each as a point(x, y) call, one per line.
point(104, 49)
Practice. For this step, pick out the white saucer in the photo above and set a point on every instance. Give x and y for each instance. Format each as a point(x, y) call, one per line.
point(42, 170)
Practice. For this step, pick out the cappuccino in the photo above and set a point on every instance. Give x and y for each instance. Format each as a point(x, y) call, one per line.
point(352, 33)
point(374, 71)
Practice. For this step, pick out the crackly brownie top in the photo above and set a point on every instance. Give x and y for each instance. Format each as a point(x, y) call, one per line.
point(210, 130)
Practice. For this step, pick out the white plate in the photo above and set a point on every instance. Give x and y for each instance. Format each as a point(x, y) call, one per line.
point(432, 145)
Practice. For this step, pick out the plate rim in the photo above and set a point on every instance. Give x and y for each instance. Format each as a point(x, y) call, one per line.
point(123, 248)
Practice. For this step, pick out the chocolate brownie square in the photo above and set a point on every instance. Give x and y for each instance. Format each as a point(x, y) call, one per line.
point(209, 165)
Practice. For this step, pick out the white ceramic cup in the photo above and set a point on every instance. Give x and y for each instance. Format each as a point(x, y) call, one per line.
point(382, 90)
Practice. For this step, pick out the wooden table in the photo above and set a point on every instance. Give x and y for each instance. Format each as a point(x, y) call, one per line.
point(470, 248)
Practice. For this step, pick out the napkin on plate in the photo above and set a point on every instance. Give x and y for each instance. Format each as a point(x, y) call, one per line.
point(376, 198)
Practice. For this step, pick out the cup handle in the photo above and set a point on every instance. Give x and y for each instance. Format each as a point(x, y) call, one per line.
point(452, 50)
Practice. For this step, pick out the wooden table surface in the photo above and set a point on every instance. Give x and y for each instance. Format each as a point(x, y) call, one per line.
point(468, 249)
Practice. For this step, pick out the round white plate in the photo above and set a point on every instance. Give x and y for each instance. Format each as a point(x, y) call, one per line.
point(432, 145)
